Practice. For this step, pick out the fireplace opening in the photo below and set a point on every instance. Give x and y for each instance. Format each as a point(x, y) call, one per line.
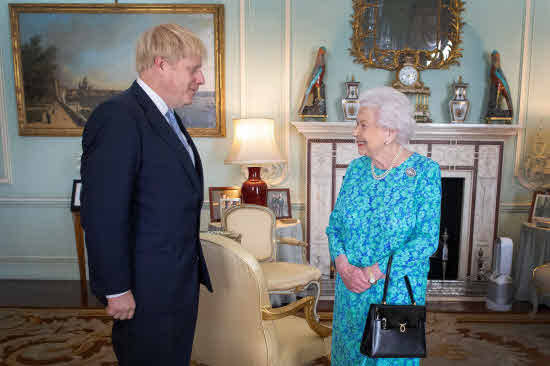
point(444, 263)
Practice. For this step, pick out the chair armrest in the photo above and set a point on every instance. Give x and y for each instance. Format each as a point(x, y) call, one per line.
point(292, 241)
point(297, 243)
point(307, 303)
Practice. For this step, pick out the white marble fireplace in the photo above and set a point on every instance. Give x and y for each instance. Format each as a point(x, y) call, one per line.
point(471, 152)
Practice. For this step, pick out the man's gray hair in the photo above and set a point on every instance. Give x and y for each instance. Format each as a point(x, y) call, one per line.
point(393, 111)
point(171, 41)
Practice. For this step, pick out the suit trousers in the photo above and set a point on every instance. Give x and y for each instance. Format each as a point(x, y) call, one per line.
point(159, 338)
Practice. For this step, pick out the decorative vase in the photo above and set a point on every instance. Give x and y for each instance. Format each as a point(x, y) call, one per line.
point(350, 103)
point(459, 106)
point(254, 189)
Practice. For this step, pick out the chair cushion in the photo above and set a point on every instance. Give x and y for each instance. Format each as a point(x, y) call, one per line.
point(298, 344)
point(283, 276)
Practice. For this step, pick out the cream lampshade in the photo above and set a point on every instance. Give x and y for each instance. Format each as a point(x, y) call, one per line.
point(254, 145)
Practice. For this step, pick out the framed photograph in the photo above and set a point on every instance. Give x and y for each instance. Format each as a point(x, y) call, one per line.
point(75, 195)
point(68, 58)
point(222, 198)
point(541, 207)
point(227, 203)
point(278, 200)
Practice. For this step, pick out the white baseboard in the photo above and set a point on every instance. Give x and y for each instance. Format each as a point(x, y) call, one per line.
point(39, 268)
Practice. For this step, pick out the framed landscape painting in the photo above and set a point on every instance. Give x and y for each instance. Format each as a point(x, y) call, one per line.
point(68, 58)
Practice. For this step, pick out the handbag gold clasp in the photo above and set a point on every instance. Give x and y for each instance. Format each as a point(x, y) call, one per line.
point(402, 327)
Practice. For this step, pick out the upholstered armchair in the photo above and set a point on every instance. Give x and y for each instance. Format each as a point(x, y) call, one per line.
point(236, 324)
point(257, 226)
point(541, 282)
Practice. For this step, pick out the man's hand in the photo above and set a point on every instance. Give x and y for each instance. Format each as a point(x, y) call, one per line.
point(121, 307)
point(353, 277)
point(373, 273)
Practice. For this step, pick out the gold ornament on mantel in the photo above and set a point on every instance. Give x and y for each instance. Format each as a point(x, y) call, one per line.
point(407, 80)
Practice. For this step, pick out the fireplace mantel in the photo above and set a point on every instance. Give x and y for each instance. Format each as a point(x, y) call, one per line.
point(472, 152)
point(446, 131)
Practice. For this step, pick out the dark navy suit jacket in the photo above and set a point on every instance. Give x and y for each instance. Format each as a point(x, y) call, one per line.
point(140, 204)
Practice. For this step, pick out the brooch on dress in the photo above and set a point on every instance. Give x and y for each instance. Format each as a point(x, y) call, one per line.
point(410, 172)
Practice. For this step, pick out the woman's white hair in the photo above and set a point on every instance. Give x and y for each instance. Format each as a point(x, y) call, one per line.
point(393, 110)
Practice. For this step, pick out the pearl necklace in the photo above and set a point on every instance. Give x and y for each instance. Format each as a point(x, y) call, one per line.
point(379, 177)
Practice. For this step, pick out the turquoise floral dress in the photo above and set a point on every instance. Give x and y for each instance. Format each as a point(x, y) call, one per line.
point(371, 220)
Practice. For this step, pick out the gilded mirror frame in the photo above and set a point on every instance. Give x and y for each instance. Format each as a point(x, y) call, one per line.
point(376, 56)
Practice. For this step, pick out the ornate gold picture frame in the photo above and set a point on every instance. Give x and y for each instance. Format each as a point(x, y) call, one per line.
point(68, 58)
point(366, 31)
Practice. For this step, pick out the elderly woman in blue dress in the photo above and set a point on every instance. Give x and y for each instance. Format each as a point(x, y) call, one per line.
point(389, 203)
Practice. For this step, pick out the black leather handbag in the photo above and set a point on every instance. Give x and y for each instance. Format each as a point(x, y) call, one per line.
point(395, 331)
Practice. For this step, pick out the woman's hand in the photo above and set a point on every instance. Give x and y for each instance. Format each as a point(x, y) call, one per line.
point(373, 273)
point(354, 278)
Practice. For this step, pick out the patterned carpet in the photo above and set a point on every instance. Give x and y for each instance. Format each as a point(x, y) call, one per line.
point(55, 337)
point(82, 337)
point(487, 340)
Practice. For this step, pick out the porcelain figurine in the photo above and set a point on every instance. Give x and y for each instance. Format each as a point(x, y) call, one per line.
point(314, 104)
point(499, 92)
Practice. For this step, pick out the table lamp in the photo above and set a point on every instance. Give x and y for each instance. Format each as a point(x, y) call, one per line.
point(254, 145)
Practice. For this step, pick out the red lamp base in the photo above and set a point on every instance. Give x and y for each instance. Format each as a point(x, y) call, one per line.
point(254, 190)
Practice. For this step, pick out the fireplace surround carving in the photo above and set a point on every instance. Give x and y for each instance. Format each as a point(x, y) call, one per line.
point(473, 153)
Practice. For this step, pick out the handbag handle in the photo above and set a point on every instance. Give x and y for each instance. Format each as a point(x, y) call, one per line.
point(387, 281)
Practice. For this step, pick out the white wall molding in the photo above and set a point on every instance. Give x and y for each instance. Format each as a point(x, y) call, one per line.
point(514, 207)
point(525, 77)
point(38, 259)
point(285, 90)
point(39, 268)
point(63, 202)
point(6, 177)
point(294, 205)
point(242, 60)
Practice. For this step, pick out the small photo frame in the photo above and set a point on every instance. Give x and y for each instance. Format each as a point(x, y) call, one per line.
point(227, 203)
point(75, 195)
point(541, 207)
point(278, 200)
point(222, 198)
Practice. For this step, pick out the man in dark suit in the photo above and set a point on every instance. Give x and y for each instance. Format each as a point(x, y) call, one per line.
point(142, 193)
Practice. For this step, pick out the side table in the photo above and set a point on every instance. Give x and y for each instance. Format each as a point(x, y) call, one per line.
point(533, 250)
